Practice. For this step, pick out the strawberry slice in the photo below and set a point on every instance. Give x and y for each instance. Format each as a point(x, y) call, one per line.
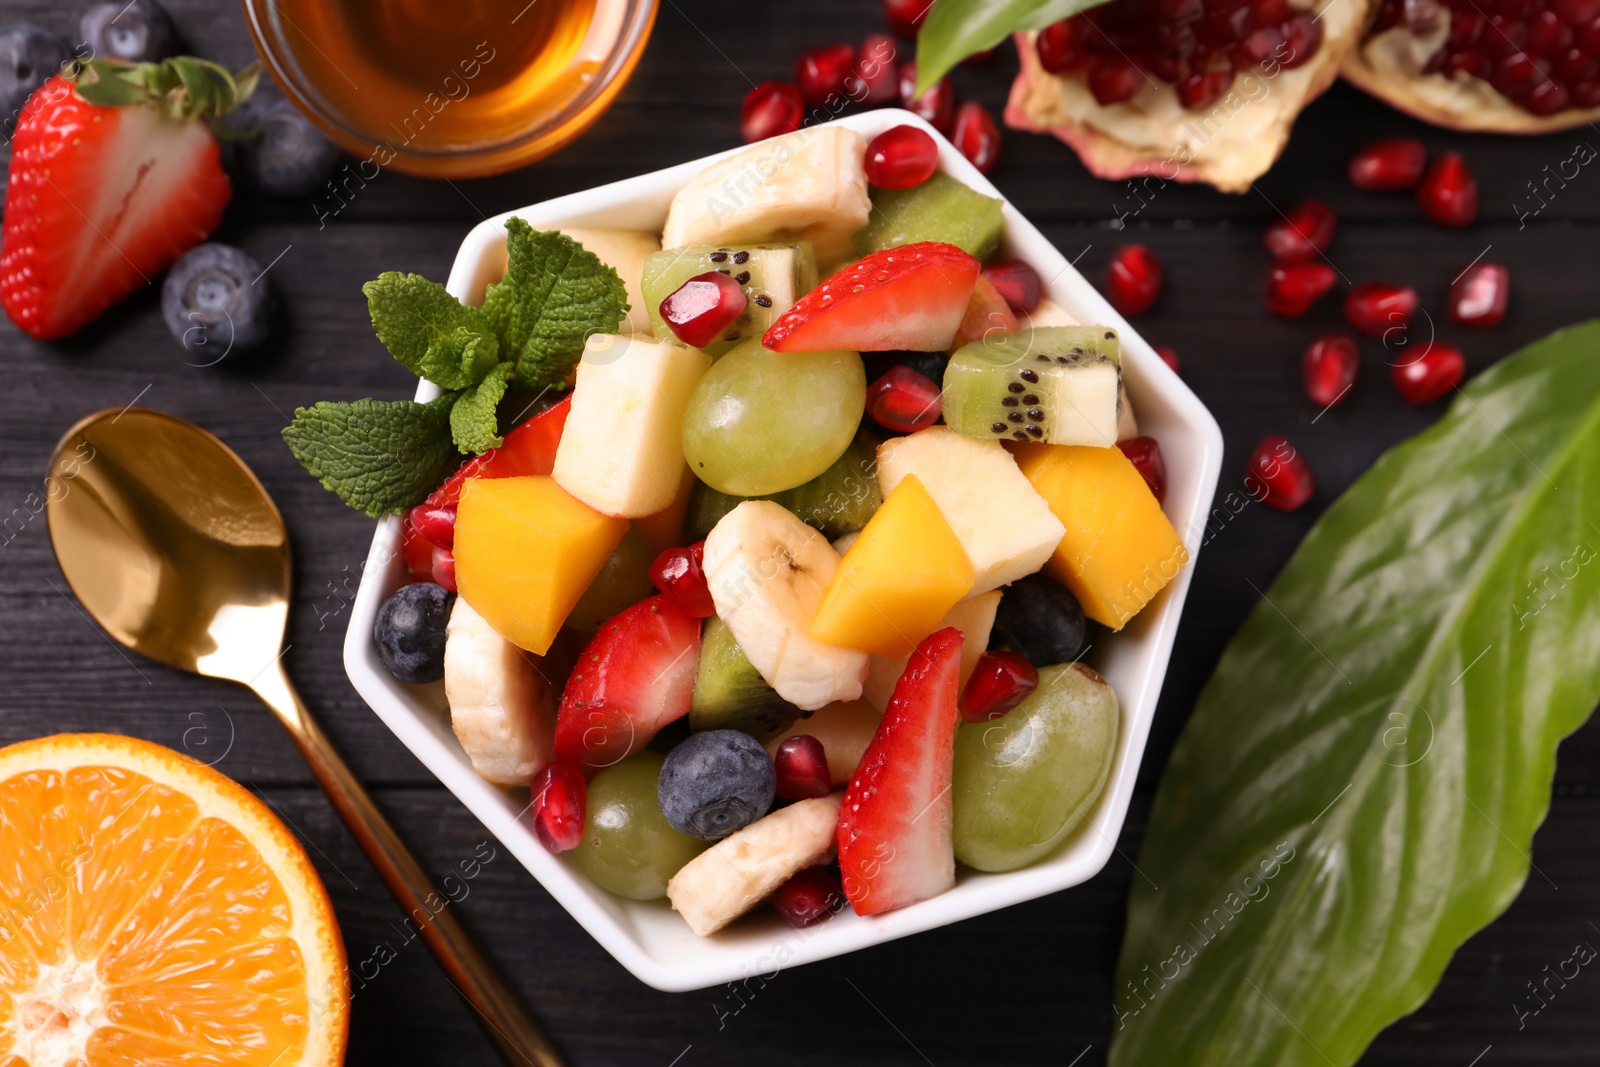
point(894, 829)
point(528, 449)
point(113, 177)
point(987, 312)
point(911, 297)
point(635, 676)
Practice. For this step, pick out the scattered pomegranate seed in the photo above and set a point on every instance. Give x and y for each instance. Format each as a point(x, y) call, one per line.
point(559, 794)
point(1304, 233)
point(700, 309)
point(1145, 454)
point(1449, 193)
point(1134, 279)
point(435, 522)
point(1291, 290)
point(900, 157)
point(936, 107)
point(1396, 163)
point(1060, 46)
point(1331, 364)
point(679, 574)
point(977, 136)
point(770, 109)
point(903, 400)
point(1169, 356)
point(1114, 80)
point(1430, 374)
point(1284, 479)
point(1478, 297)
point(1017, 282)
point(444, 568)
point(876, 79)
point(999, 682)
point(821, 72)
point(905, 16)
point(1376, 308)
point(810, 897)
point(802, 766)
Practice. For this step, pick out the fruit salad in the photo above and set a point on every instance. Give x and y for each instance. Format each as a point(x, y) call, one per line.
point(781, 595)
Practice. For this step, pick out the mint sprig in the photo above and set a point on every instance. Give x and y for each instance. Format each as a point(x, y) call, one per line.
point(473, 422)
point(378, 455)
point(430, 332)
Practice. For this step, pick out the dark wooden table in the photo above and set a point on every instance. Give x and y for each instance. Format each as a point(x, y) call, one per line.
point(1030, 984)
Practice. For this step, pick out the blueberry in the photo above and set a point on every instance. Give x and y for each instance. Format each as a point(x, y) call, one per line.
point(215, 301)
point(716, 782)
point(1039, 618)
point(410, 631)
point(139, 32)
point(28, 56)
point(280, 152)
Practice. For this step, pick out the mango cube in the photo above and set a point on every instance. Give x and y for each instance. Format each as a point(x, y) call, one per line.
point(1119, 550)
point(898, 579)
point(525, 550)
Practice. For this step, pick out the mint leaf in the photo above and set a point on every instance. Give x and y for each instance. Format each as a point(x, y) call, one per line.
point(555, 293)
point(379, 455)
point(472, 420)
point(431, 332)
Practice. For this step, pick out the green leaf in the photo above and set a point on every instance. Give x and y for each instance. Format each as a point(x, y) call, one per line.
point(429, 331)
point(379, 455)
point(555, 293)
point(955, 29)
point(1358, 788)
point(473, 421)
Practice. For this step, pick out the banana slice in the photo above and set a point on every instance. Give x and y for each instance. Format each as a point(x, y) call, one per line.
point(739, 872)
point(804, 186)
point(767, 571)
point(502, 709)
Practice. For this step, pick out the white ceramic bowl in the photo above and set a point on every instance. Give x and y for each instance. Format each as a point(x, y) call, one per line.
point(648, 938)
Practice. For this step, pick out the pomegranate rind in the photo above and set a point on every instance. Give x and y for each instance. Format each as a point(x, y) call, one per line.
point(1228, 146)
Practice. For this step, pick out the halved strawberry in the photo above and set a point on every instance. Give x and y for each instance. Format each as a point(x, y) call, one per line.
point(987, 312)
point(894, 829)
point(527, 450)
point(633, 678)
point(911, 297)
point(113, 177)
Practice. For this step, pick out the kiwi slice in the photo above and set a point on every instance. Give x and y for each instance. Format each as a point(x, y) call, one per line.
point(773, 278)
point(730, 694)
point(838, 501)
point(940, 209)
point(1060, 385)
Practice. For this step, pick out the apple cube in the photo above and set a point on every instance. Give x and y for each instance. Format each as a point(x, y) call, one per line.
point(974, 617)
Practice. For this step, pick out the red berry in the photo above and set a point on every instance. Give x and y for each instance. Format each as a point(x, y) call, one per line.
point(1017, 282)
point(1430, 374)
point(1114, 80)
point(1376, 308)
point(1478, 297)
point(1145, 453)
point(1449, 193)
point(1293, 289)
point(1200, 90)
point(1302, 34)
point(700, 309)
point(1134, 281)
point(435, 522)
point(900, 157)
point(876, 79)
point(903, 400)
point(557, 807)
point(999, 682)
point(678, 573)
point(417, 551)
point(1331, 364)
point(1277, 475)
point(821, 72)
point(770, 109)
point(1304, 233)
point(905, 16)
point(1060, 46)
point(936, 107)
point(444, 568)
point(977, 136)
point(1169, 356)
point(1396, 163)
point(810, 897)
point(802, 766)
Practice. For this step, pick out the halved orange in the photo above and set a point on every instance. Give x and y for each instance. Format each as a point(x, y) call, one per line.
point(153, 912)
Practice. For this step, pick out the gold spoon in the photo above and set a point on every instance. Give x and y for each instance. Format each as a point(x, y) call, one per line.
point(175, 548)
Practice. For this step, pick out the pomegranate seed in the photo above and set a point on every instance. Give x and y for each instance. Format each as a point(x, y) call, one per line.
point(1258, 46)
point(936, 107)
point(1385, 165)
point(811, 896)
point(435, 522)
point(559, 793)
point(977, 136)
point(1548, 35)
point(1268, 12)
point(821, 72)
point(1017, 282)
point(679, 574)
point(1574, 66)
point(700, 309)
point(876, 79)
point(1516, 75)
point(1145, 454)
point(999, 682)
point(1466, 63)
point(900, 157)
point(1449, 193)
point(1114, 80)
point(1302, 33)
point(1589, 37)
point(1478, 297)
point(1283, 478)
point(770, 109)
point(1376, 308)
point(416, 551)
point(1200, 90)
point(1466, 27)
point(444, 568)
point(1547, 98)
point(905, 16)
point(802, 766)
point(903, 400)
point(1575, 12)
point(1430, 375)
point(1060, 46)
point(1331, 364)
point(1304, 233)
point(1586, 94)
point(1169, 356)
point(1291, 290)
point(1134, 280)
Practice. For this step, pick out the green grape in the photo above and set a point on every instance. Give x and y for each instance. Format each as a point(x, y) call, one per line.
point(1025, 781)
point(762, 422)
point(628, 847)
point(623, 581)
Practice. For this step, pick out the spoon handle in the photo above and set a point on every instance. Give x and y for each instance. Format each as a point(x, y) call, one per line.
point(520, 1039)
